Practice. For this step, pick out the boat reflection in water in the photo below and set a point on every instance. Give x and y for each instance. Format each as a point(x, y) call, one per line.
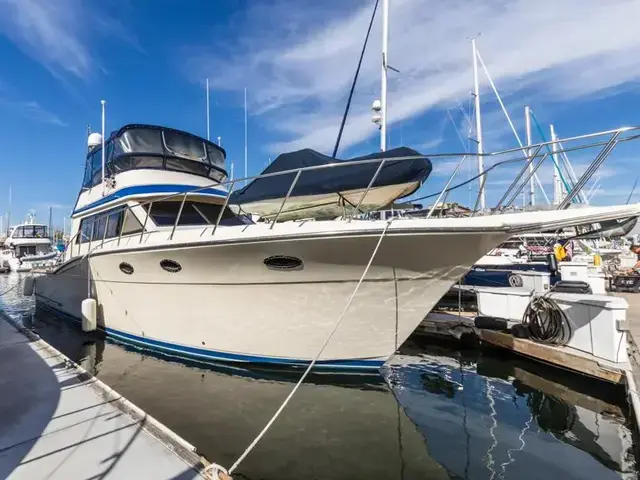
point(447, 414)
point(488, 416)
point(336, 427)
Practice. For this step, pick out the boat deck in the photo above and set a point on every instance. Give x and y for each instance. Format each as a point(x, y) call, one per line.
point(58, 422)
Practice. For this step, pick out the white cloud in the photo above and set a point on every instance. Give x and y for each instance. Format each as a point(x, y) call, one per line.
point(31, 110)
point(59, 33)
point(298, 70)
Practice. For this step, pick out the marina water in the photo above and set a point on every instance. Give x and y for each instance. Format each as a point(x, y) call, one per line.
point(435, 413)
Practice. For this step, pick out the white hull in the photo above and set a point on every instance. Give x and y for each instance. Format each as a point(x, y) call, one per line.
point(226, 304)
point(28, 263)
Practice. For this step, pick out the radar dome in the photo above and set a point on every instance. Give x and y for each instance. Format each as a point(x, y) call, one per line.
point(95, 140)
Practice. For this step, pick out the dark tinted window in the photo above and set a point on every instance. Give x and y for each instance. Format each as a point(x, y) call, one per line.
point(139, 140)
point(193, 213)
point(185, 146)
point(99, 223)
point(98, 228)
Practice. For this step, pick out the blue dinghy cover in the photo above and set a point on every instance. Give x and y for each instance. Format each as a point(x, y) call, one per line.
point(333, 179)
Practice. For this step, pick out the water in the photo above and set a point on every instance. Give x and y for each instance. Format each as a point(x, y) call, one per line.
point(437, 413)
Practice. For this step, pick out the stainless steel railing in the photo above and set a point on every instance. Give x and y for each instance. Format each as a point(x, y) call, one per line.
point(530, 154)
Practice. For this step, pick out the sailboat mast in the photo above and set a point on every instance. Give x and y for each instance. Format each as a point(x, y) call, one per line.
point(383, 80)
point(51, 223)
point(476, 92)
point(527, 122)
point(208, 123)
point(557, 187)
point(246, 173)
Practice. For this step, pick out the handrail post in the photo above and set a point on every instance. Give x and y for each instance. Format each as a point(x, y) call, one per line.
point(444, 190)
point(175, 224)
point(597, 162)
point(484, 176)
point(144, 225)
point(224, 207)
point(124, 220)
point(93, 226)
point(530, 157)
point(526, 180)
point(293, 184)
point(373, 179)
point(104, 234)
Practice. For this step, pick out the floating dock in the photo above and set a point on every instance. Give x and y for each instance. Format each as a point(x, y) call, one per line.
point(59, 422)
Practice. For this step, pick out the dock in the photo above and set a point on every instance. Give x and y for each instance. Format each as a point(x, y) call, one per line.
point(59, 422)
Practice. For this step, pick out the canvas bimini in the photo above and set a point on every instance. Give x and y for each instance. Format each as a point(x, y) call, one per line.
point(158, 245)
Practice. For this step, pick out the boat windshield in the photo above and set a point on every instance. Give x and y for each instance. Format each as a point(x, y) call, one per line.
point(30, 231)
point(147, 147)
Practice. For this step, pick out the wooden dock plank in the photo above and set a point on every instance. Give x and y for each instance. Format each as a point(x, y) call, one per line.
point(558, 356)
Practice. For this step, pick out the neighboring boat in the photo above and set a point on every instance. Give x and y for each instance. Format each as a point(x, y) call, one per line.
point(173, 268)
point(332, 192)
point(28, 246)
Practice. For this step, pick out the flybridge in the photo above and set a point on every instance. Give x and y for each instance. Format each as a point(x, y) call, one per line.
point(135, 147)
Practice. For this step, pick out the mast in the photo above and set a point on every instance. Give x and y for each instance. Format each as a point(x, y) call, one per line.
point(103, 129)
point(557, 188)
point(383, 80)
point(51, 223)
point(527, 122)
point(476, 93)
point(208, 138)
point(246, 174)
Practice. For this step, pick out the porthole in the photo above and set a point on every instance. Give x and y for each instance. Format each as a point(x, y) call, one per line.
point(170, 266)
point(126, 268)
point(283, 263)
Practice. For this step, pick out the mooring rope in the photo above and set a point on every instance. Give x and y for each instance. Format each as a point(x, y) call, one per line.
point(311, 365)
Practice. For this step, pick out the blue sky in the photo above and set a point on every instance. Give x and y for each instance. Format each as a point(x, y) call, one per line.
point(575, 62)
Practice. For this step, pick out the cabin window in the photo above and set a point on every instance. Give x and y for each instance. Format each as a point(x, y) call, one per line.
point(184, 146)
point(164, 213)
point(98, 228)
point(136, 140)
point(98, 224)
point(30, 231)
point(155, 148)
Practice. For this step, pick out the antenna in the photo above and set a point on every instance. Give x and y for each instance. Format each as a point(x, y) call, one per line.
point(103, 129)
point(208, 122)
point(246, 174)
point(9, 212)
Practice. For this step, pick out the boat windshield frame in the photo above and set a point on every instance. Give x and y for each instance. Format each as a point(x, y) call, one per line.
point(36, 231)
point(137, 147)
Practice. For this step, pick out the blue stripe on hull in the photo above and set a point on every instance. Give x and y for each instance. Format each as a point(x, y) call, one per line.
point(212, 355)
point(149, 189)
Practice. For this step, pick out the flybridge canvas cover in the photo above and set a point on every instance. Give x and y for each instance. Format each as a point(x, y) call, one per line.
point(332, 180)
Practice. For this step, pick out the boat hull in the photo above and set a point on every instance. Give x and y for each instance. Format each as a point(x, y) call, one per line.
point(226, 304)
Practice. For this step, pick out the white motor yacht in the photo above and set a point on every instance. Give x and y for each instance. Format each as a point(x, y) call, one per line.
point(172, 267)
point(28, 246)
